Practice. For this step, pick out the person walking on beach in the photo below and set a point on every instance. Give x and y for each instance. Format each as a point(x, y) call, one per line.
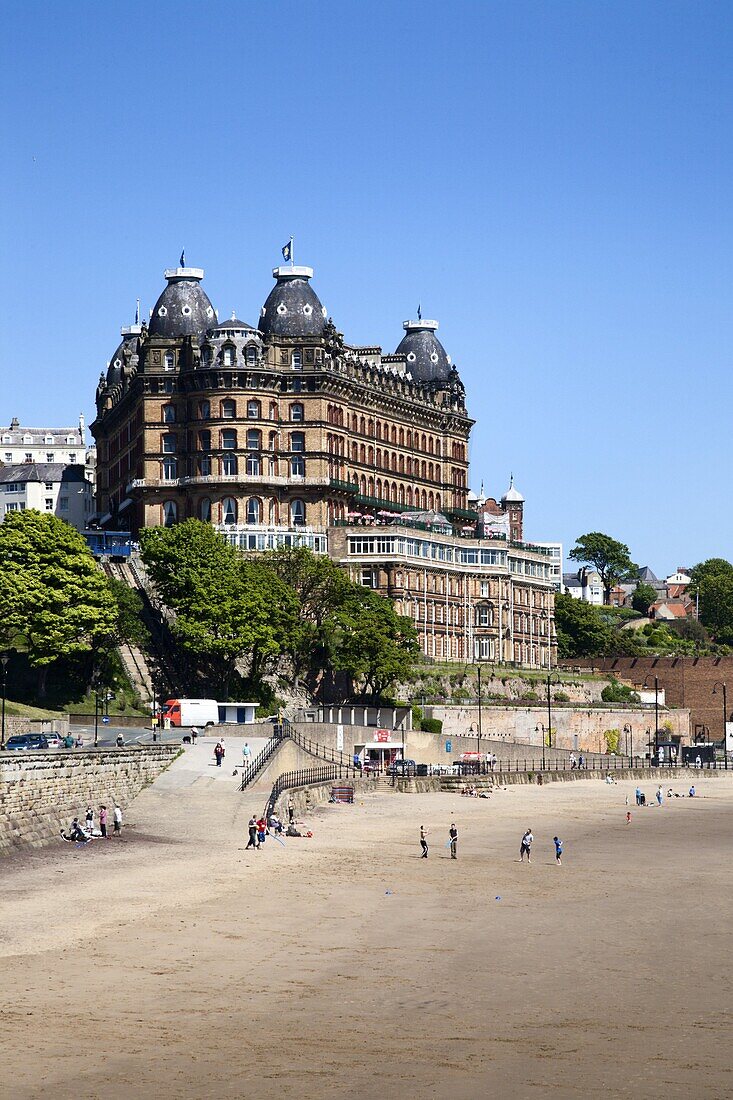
point(558, 850)
point(638, 796)
point(218, 753)
point(692, 791)
point(573, 762)
point(525, 848)
point(453, 841)
point(246, 753)
point(581, 762)
point(252, 827)
point(261, 831)
point(103, 820)
point(660, 796)
point(423, 842)
point(90, 820)
point(291, 811)
point(117, 820)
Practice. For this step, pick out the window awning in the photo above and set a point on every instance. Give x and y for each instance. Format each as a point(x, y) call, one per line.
point(383, 745)
point(125, 504)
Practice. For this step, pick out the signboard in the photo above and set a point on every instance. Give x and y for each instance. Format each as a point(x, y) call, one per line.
point(729, 736)
point(105, 719)
point(340, 737)
point(449, 746)
point(382, 735)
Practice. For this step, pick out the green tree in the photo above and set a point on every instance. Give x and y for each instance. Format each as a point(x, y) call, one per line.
point(716, 606)
point(54, 600)
point(643, 598)
point(374, 645)
point(713, 567)
point(580, 631)
point(129, 626)
point(608, 557)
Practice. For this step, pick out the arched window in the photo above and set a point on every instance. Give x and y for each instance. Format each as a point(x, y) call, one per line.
point(169, 443)
point(409, 438)
point(379, 429)
point(204, 410)
point(379, 486)
point(423, 443)
point(402, 464)
point(409, 496)
point(253, 410)
point(370, 427)
point(169, 414)
point(254, 439)
point(169, 360)
point(254, 510)
point(228, 410)
point(402, 494)
point(297, 513)
point(437, 447)
point(424, 471)
point(229, 510)
point(274, 415)
point(251, 355)
point(297, 412)
point(378, 458)
point(170, 469)
point(431, 501)
point(205, 510)
point(170, 513)
point(227, 356)
point(254, 465)
point(370, 456)
point(229, 464)
point(354, 452)
point(430, 444)
point(272, 441)
point(354, 423)
point(437, 502)
point(229, 439)
point(205, 440)
point(362, 426)
point(402, 437)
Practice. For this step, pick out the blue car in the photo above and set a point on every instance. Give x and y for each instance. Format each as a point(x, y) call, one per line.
point(21, 742)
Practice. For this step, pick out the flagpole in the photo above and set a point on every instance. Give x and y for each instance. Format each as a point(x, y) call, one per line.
point(292, 257)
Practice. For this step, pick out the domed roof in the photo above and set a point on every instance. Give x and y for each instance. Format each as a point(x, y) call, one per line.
point(114, 370)
point(293, 308)
point(512, 495)
point(183, 308)
point(233, 324)
point(427, 360)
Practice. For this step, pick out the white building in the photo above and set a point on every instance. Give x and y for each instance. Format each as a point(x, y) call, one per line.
point(585, 585)
point(58, 445)
point(64, 491)
point(554, 549)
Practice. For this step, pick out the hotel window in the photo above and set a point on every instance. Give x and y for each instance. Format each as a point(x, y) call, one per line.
point(229, 439)
point(254, 510)
point(204, 466)
point(169, 443)
point(297, 360)
point(229, 511)
point(297, 466)
point(297, 412)
point(205, 510)
point(205, 440)
point(169, 414)
point(229, 465)
point(228, 357)
point(170, 469)
point(228, 410)
point(170, 513)
point(253, 465)
point(254, 439)
point(253, 410)
point(368, 578)
point(484, 588)
point(251, 355)
point(204, 410)
point(297, 513)
point(483, 615)
point(29, 456)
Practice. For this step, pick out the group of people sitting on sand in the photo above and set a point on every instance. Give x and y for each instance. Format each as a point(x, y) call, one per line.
point(471, 791)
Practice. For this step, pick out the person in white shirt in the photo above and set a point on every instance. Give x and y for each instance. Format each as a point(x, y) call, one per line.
point(117, 820)
point(525, 848)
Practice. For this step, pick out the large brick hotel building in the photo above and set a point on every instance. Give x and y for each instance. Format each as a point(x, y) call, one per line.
point(285, 434)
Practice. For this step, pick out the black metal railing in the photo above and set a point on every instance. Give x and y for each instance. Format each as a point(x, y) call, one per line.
point(252, 770)
point(607, 763)
point(306, 777)
point(322, 752)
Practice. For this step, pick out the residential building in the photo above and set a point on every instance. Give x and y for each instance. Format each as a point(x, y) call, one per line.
point(586, 585)
point(19, 444)
point(555, 552)
point(49, 487)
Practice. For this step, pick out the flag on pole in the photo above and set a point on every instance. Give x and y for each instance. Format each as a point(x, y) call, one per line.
point(287, 250)
point(419, 312)
point(182, 261)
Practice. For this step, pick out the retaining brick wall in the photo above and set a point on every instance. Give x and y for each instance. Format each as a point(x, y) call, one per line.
point(40, 792)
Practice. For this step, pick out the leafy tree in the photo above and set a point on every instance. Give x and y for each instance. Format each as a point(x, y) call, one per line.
point(374, 645)
point(608, 557)
point(643, 598)
point(54, 600)
point(619, 693)
point(716, 605)
point(129, 626)
point(580, 631)
point(713, 567)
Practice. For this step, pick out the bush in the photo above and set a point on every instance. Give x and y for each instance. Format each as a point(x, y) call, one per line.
point(561, 697)
point(530, 696)
point(431, 725)
point(612, 739)
point(619, 693)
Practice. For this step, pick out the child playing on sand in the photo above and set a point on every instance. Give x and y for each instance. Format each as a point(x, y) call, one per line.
point(423, 842)
point(558, 850)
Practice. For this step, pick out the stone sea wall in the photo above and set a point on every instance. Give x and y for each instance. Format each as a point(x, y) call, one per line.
point(40, 792)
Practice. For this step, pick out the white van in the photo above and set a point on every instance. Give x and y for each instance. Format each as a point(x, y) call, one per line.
point(190, 712)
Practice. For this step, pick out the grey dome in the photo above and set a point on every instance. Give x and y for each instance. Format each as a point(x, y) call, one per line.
point(233, 325)
point(183, 308)
point(129, 345)
point(293, 308)
point(427, 360)
point(114, 370)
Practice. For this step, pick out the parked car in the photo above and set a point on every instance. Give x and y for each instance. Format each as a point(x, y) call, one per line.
point(24, 741)
point(55, 740)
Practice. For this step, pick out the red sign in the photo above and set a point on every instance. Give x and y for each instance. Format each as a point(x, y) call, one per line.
point(382, 735)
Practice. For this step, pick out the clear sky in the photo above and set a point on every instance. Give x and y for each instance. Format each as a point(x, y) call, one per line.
point(552, 181)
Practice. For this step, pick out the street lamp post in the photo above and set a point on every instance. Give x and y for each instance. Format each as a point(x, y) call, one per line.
point(656, 715)
point(538, 727)
point(721, 684)
point(96, 711)
point(550, 680)
point(480, 728)
point(4, 658)
point(629, 741)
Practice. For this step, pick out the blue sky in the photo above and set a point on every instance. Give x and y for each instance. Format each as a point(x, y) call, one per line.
point(552, 181)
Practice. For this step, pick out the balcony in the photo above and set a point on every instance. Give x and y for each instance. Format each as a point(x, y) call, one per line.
point(245, 480)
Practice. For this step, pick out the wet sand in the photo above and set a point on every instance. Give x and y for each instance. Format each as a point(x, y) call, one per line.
point(175, 964)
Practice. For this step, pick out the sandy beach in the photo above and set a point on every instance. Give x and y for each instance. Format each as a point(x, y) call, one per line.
point(173, 963)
